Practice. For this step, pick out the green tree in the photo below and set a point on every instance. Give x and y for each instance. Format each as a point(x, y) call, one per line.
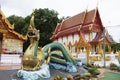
point(115, 46)
point(25, 28)
point(45, 21)
point(19, 23)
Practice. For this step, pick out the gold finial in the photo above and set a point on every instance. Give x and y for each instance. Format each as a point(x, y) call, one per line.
point(87, 5)
point(32, 20)
point(97, 4)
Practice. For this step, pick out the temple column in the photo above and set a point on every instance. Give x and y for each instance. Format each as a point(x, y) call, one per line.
point(109, 48)
point(89, 36)
point(77, 51)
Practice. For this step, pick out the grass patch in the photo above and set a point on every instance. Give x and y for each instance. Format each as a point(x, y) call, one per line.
point(111, 76)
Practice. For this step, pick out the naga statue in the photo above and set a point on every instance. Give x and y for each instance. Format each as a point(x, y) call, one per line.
point(36, 61)
point(33, 57)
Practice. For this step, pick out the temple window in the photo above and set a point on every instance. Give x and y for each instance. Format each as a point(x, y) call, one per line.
point(64, 40)
point(76, 37)
point(87, 36)
point(70, 39)
point(93, 34)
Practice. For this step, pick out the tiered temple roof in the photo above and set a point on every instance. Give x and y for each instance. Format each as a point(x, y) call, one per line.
point(85, 22)
point(6, 27)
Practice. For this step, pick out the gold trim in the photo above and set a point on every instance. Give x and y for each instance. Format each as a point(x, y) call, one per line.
point(3, 31)
point(95, 14)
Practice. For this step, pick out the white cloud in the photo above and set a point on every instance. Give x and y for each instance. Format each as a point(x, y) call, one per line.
point(114, 31)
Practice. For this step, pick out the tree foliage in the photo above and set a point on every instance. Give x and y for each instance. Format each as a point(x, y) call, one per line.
point(45, 21)
point(115, 46)
point(19, 23)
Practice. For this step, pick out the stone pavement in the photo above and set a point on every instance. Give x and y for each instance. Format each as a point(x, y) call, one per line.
point(7, 74)
point(11, 73)
point(6, 66)
point(7, 70)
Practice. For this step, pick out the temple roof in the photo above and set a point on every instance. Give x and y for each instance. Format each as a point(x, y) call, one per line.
point(75, 23)
point(6, 27)
point(101, 36)
point(90, 16)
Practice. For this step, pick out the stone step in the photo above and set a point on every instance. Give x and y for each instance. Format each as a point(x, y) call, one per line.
point(5, 66)
point(10, 59)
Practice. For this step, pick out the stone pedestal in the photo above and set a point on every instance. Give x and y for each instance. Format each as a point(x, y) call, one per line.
point(42, 73)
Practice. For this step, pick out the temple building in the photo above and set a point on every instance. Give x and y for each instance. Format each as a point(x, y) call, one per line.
point(83, 33)
point(10, 41)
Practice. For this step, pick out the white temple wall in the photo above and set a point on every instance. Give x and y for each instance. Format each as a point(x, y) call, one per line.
point(90, 36)
point(60, 40)
point(87, 36)
point(76, 37)
point(65, 39)
point(55, 40)
point(93, 35)
point(70, 39)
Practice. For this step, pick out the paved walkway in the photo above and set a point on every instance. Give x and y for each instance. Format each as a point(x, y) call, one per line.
point(7, 74)
point(5, 66)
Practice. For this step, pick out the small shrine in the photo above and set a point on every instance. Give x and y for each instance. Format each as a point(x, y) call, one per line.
point(83, 34)
point(10, 41)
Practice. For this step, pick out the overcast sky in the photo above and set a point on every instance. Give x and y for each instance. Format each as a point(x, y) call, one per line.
point(109, 10)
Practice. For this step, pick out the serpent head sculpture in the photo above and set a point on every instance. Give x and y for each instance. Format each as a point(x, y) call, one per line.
point(33, 56)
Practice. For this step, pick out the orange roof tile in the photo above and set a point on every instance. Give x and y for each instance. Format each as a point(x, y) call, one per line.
point(90, 16)
point(73, 21)
point(69, 31)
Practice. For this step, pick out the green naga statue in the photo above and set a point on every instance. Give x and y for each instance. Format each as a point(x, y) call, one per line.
point(33, 57)
point(36, 61)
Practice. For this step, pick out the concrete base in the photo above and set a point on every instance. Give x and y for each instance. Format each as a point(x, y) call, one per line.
point(43, 72)
point(10, 59)
point(101, 63)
